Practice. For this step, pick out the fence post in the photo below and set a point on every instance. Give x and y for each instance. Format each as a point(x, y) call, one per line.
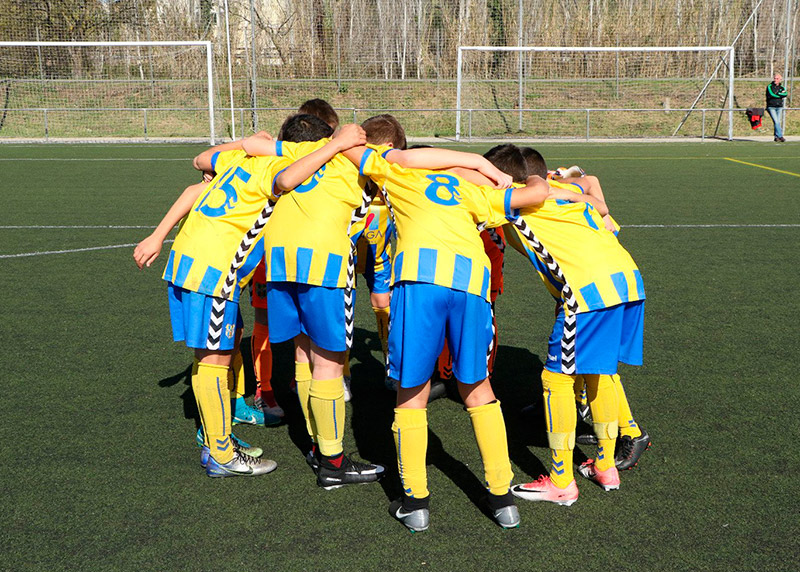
point(703, 130)
point(587, 124)
point(46, 128)
point(144, 113)
point(470, 126)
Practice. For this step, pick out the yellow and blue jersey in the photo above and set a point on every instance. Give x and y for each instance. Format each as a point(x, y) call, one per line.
point(210, 235)
point(373, 233)
point(307, 240)
point(437, 215)
point(600, 272)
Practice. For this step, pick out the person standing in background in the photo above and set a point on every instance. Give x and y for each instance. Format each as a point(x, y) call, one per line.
point(775, 96)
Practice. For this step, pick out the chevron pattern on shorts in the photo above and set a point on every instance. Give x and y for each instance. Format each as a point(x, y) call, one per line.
point(567, 295)
point(218, 305)
point(349, 289)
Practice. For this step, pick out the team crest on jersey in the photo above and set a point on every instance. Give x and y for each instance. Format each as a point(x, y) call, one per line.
point(230, 329)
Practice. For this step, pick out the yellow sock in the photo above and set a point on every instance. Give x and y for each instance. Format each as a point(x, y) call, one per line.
point(213, 400)
point(627, 425)
point(603, 403)
point(302, 377)
point(580, 390)
point(326, 401)
point(560, 419)
point(490, 433)
point(410, 430)
point(195, 365)
point(236, 376)
point(382, 318)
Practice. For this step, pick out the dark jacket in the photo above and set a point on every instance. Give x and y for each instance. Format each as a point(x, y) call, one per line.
point(775, 95)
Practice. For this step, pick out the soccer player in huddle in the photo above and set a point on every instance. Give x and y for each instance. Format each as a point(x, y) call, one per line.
point(441, 286)
point(270, 411)
point(213, 258)
point(600, 301)
point(633, 439)
point(307, 253)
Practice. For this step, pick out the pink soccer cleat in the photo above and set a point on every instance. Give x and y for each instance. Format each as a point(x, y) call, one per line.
point(608, 479)
point(542, 489)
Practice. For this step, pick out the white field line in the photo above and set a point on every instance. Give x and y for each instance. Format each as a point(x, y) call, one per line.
point(710, 225)
point(667, 226)
point(44, 252)
point(95, 159)
point(38, 227)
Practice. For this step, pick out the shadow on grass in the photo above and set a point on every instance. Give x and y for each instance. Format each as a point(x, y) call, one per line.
point(516, 382)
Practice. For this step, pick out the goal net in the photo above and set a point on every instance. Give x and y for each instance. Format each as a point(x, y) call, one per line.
point(594, 92)
point(106, 90)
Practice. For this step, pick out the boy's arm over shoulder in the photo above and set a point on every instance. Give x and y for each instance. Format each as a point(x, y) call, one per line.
point(347, 137)
point(435, 158)
point(535, 192)
point(261, 143)
point(148, 250)
point(575, 197)
point(590, 185)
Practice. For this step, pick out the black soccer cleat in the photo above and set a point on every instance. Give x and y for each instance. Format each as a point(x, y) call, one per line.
point(629, 449)
point(349, 472)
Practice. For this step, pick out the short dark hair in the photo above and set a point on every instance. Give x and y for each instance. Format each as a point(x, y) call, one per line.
point(383, 129)
point(534, 162)
point(321, 109)
point(304, 127)
point(508, 159)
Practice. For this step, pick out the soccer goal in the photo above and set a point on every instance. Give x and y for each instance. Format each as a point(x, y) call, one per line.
point(610, 92)
point(107, 91)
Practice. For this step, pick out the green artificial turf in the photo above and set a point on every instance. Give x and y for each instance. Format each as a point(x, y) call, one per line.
point(100, 470)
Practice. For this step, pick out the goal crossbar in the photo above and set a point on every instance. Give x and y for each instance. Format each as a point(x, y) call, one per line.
point(188, 43)
point(728, 51)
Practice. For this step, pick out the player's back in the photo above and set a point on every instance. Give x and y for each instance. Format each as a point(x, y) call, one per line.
point(596, 266)
point(214, 229)
point(308, 240)
point(437, 215)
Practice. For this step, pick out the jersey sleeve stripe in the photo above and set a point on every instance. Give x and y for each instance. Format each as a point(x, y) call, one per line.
point(507, 203)
point(275, 192)
point(214, 158)
point(279, 148)
point(364, 158)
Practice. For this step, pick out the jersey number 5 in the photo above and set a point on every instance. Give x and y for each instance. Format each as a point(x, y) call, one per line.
point(224, 184)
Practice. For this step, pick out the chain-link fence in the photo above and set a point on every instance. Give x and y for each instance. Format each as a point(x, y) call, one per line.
point(362, 56)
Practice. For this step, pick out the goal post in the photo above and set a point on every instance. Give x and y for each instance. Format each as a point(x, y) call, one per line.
point(107, 90)
point(631, 91)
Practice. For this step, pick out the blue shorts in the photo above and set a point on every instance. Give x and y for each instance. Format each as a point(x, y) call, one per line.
point(317, 311)
point(603, 338)
point(190, 313)
point(420, 317)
